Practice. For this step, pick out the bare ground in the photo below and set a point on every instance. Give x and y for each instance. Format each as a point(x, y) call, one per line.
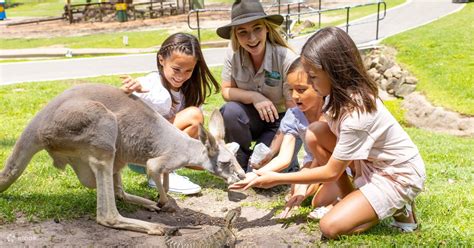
point(256, 227)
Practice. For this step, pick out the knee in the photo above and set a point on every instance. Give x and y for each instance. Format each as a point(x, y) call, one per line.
point(315, 131)
point(195, 116)
point(329, 228)
point(231, 111)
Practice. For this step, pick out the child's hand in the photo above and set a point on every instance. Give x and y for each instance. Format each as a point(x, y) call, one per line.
point(295, 200)
point(130, 85)
point(265, 180)
point(242, 183)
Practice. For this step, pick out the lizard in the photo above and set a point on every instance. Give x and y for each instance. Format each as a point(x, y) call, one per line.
point(224, 237)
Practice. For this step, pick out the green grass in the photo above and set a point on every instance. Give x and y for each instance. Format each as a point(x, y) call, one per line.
point(108, 40)
point(43, 192)
point(38, 8)
point(441, 56)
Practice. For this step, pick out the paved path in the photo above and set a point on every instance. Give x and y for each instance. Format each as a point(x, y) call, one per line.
point(412, 14)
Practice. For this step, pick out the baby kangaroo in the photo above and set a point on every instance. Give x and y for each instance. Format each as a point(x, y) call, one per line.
point(97, 129)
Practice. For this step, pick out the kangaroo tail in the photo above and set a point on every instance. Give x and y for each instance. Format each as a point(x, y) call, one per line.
point(25, 147)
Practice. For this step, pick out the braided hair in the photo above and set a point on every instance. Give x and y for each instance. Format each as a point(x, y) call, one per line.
point(201, 83)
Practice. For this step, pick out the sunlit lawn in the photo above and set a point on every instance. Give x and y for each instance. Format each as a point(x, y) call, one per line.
point(441, 56)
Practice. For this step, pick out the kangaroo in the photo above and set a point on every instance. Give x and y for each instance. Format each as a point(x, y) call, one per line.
point(98, 129)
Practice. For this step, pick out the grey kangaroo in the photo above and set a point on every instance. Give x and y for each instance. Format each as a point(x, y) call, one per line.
point(97, 129)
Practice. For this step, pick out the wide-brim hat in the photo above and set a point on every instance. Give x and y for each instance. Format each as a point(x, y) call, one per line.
point(245, 11)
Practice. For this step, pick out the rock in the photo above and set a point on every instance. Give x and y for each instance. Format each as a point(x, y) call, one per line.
point(404, 89)
point(411, 80)
point(388, 74)
point(383, 84)
point(374, 62)
point(391, 84)
point(379, 67)
point(373, 73)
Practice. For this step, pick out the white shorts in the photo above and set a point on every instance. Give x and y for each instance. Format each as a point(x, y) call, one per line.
point(391, 187)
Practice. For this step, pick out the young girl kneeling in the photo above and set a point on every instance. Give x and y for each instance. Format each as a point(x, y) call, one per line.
point(176, 91)
point(361, 133)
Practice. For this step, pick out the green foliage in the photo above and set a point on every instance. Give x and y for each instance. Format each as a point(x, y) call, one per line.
point(441, 56)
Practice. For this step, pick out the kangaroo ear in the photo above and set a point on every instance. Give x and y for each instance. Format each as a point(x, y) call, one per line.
point(216, 125)
point(202, 134)
point(208, 140)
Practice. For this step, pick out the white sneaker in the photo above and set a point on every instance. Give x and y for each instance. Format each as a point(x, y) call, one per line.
point(179, 184)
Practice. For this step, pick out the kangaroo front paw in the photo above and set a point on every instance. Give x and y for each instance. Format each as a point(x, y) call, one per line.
point(168, 206)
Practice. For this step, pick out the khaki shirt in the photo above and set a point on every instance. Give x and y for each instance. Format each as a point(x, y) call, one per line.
point(269, 80)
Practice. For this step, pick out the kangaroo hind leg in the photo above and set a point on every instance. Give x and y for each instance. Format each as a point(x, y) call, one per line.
point(107, 213)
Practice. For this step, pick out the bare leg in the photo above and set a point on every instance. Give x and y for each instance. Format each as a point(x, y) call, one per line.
point(121, 194)
point(322, 141)
point(341, 220)
point(188, 120)
point(329, 192)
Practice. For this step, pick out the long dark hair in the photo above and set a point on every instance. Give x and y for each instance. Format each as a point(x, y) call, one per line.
point(332, 50)
point(198, 86)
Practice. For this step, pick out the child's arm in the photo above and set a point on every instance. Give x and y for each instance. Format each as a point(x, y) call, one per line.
point(274, 149)
point(327, 173)
point(283, 159)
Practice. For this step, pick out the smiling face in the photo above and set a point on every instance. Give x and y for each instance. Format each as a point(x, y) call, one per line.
point(302, 92)
point(177, 68)
point(318, 78)
point(252, 37)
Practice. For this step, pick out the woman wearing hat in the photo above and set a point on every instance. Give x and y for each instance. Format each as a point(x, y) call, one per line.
point(254, 76)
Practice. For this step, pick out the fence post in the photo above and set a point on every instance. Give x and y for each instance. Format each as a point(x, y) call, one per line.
point(199, 28)
point(347, 19)
point(378, 16)
point(319, 14)
point(299, 10)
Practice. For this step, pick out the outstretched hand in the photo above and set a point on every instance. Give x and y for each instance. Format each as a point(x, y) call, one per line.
point(130, 85)
point(266, 179)
point(242, 183)
point(295, 200)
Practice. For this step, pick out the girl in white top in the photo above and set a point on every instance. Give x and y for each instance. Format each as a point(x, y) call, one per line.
point(176, 91)
point(361, 133)
point(181, 84)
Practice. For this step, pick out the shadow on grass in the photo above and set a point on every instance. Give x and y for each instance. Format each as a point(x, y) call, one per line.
point(7, 143)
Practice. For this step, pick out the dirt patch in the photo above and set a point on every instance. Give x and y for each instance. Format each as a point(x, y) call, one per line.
point(422, 114)
point(256, 227)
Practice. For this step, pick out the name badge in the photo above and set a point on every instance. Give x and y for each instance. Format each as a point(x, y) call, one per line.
point(273, 75)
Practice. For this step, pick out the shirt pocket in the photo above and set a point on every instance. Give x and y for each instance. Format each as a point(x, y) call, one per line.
point(272, 89)
point(243, 82)
point(271, 82)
